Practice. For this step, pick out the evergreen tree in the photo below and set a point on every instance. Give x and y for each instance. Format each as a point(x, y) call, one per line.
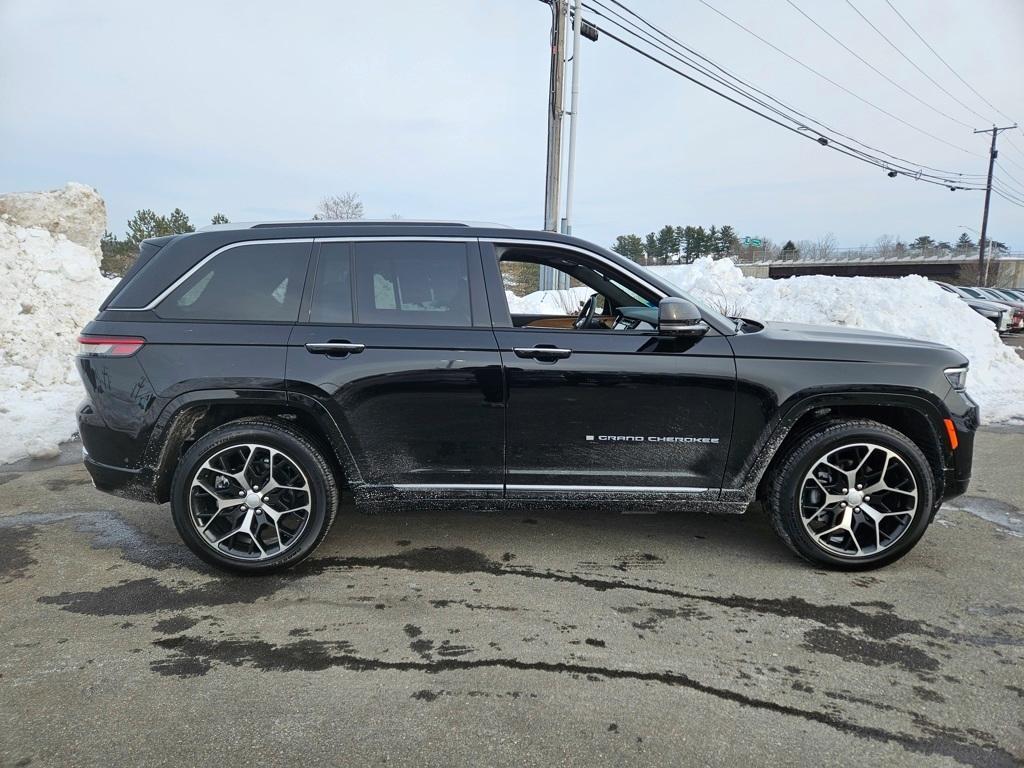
point(630, 246)
point(964, 242)
point(696, 243)
point(668, 244)
point(704, 242)
point(651, 251)
point(117, 255)
point(922, 243)
point(727, 241)
point(219, 218)
point(178, 222)
point(145, 223)
point(712, 244)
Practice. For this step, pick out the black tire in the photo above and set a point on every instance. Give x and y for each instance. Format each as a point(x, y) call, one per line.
point(299, 452)
point(786, 484)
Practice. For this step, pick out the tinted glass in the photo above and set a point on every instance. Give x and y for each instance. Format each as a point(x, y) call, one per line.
point(332, 293)
point(253, 283)
point(412, 283)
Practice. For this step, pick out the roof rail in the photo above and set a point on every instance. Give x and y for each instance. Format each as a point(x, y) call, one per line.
point(350, 223)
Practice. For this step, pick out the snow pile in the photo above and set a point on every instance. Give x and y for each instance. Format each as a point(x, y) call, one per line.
point(75, 211)
point(50, 286)
point(563, 302)
point(907, 306)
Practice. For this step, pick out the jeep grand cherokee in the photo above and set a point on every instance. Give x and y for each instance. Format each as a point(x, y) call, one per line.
point(247, 373)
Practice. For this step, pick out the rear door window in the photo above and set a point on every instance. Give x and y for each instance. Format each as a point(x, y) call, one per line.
point(257, 282)
point(410, 283)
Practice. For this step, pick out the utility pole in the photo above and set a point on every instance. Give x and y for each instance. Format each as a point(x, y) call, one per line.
point(992, 154)
point(574, 107)
point(555, 104)
point(548, 278)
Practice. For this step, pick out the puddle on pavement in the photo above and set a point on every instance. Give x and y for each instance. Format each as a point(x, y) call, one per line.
point(1006, 516)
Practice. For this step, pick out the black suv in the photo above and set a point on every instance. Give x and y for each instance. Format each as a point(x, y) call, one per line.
point(246, 373)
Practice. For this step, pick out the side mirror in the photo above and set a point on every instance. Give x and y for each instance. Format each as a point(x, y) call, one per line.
point(679, 317)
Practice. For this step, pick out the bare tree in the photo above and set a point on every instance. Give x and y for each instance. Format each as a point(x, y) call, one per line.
point(826, 246)
point(885, 246)
point(339, 208)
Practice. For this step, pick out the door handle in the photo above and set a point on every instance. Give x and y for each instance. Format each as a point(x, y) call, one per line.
point(542, 353)
point(340, 348)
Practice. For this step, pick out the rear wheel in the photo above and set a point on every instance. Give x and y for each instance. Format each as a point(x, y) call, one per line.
point(852, 495)
point(253, 496)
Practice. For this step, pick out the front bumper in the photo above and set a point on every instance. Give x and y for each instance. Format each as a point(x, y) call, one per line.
point(958, 463)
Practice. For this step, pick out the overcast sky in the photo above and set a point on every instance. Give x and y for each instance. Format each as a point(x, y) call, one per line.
point(438, 109)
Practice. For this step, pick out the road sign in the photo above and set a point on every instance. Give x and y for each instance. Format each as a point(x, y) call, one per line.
point(753, 242)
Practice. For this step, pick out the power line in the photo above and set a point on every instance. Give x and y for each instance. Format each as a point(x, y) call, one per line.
point(1008, 189)
point(1018, 150)
point(829, 145)
point(1008, 198)
point(946, 175)
point(834, 83)
point(948, 66)
point(913, 63)
point(1006, 173)
point(875, 69)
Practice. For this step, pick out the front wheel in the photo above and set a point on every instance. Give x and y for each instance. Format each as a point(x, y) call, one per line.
point(852, 495)
point(253, 496)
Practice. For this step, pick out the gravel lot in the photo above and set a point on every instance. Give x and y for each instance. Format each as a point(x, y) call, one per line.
point(483, 639)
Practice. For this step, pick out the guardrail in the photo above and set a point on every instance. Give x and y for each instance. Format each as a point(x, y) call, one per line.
point(860, 257)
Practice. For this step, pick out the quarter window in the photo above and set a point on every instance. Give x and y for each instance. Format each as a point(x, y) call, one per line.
point(412, 283)
point(259, 282)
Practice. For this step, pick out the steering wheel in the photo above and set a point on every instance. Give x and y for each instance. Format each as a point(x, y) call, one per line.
point(585, 318)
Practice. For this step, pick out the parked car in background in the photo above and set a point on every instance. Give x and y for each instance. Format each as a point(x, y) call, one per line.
point(1000, 314)
point(1015, 294)
point(1014, 303)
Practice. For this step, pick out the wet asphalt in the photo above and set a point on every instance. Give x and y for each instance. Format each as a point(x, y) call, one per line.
point(520, 639)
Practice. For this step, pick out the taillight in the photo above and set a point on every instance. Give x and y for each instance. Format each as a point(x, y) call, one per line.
point(109, 346)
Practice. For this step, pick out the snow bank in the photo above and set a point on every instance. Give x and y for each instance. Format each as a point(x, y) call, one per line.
point(907, 306)
point(563, 302)
point(50, 286)
point(75, 211)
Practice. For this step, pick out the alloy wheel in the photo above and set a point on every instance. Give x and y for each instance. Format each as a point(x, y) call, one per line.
point(250, 501)
point(858, 500)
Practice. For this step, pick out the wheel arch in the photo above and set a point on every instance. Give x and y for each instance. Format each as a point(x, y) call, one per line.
point(918, 415)
point(188, 417)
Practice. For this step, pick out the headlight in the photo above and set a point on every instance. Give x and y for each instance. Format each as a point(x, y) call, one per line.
point(957, 377)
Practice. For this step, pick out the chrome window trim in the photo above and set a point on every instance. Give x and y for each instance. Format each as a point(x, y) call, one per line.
point(199, 265)
point(569, 247)
point(385, 238)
